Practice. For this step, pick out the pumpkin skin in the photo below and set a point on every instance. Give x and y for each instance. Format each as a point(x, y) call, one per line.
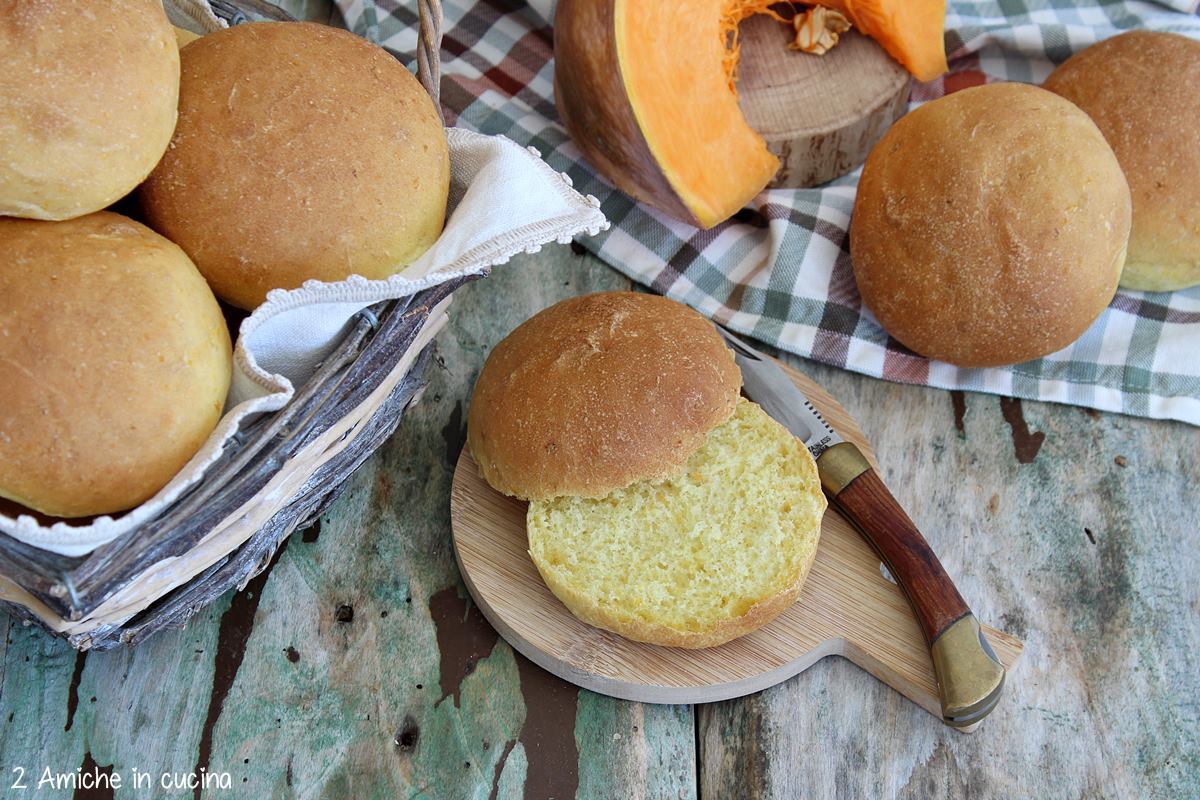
point(644, 88)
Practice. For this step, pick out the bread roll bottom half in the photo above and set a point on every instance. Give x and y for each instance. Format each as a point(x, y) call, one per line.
point(697, 559)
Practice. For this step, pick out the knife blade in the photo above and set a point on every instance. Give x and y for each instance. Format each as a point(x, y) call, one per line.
point(770, 387)
point(969, 675)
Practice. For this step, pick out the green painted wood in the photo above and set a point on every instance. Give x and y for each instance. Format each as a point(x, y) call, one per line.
point(417, 663)
point(1091, 561)
point(356, 667)
point(127, 709)
point(1102, 702)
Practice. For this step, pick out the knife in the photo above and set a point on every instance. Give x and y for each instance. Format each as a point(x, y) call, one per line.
point(969, 676)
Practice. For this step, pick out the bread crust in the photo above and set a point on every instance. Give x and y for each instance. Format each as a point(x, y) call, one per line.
point(597, 392)
point(990, 226)
point(1140, 88)
point(115, 361)
point(302, 152)
point(639, 630)
point(90, 90)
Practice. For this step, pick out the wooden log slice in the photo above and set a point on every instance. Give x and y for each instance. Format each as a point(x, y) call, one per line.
point(821, 115)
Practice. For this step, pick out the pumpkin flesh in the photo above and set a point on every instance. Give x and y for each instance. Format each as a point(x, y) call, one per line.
point(673, 69)
point(911, 31)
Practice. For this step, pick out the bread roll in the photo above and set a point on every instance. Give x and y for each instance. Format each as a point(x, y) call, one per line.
point(990, 226)
point(114, 363)
point(1142, 89)
point(664, 507)
point(302, 152)
point(696, 559)
point(597, 392)
point(88, 92)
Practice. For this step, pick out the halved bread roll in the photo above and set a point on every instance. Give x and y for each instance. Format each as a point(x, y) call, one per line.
point(663, 506)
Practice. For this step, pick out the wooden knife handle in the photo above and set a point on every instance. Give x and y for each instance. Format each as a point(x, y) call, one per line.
point(969, 675)
point(900, 545)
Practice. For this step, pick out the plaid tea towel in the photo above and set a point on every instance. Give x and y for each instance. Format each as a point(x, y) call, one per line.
point(780, 270)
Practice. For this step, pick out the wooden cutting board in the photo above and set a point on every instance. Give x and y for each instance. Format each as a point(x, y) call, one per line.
point(847, 608)
point(821, 115)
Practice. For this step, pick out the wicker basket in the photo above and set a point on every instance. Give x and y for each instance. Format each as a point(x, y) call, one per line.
point(347, 409)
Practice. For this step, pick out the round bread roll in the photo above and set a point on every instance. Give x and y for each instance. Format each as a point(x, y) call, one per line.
point(302, 152)
point(88, 93)
point(990, 226)
point(597, 392)
point(114, 363)
point(698, 558)
point(1142, 89)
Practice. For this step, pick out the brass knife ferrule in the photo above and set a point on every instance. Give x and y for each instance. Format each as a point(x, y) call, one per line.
point(839, 465)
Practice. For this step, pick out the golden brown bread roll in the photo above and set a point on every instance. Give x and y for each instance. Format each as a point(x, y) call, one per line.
point(597, 392)
point(301, 152)
point(114, 363)
point(88, 92)
point(1142, 89)
point(664, 507)
point(990, 226)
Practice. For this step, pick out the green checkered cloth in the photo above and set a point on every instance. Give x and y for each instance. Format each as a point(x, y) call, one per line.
point(780, 271)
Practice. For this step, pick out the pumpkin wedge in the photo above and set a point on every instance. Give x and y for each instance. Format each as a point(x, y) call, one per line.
point(911, 31)
point(645, 88)
point(642, 88)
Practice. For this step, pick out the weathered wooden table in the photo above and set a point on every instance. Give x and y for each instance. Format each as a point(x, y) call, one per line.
point(356, 668)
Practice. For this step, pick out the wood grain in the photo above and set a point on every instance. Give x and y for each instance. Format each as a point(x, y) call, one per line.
point(821, 115)
point(1103, 702)
point(847, 608)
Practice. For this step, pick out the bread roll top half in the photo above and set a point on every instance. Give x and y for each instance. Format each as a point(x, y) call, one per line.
point(597, 392)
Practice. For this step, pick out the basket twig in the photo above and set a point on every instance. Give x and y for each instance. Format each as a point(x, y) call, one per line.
point(429, 51)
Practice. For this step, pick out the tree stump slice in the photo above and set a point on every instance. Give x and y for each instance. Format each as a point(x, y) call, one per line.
point(820, 115)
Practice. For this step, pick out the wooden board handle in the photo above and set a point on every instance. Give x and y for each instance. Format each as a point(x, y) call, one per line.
point(969, 675)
